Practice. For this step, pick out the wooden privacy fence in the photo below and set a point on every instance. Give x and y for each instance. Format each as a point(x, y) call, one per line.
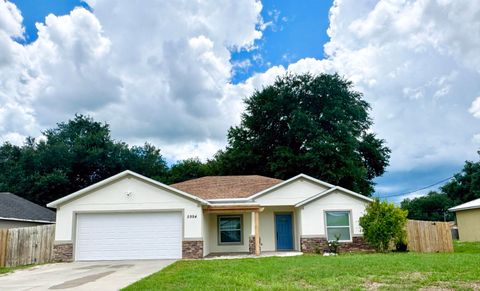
point(429, 236)
point(26, 245)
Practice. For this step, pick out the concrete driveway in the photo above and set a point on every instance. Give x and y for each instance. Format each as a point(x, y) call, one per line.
point(105, 275)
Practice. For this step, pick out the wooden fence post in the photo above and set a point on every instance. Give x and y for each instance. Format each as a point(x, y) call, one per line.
point(3, 246)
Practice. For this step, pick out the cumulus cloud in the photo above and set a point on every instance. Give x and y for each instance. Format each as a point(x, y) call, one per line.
point(156, 71)
point(475, 108)
point(161, 72)
point(417, 63)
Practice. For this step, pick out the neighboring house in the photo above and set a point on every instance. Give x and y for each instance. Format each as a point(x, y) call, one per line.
point(468, 220)
point(129, 216)
point(16, 211)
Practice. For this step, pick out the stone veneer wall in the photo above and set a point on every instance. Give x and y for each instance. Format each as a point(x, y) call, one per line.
point(192, 249)
point(251, 244)
point(63, 252)
point(312, 244)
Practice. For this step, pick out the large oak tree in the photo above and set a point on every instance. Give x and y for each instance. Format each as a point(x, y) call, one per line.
point(312, 124)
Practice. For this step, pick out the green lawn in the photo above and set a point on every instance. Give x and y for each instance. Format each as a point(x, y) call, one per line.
point(466, 247)
point(4, 270)
point(401, 271)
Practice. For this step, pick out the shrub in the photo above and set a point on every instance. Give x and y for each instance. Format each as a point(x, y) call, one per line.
point(383, 225)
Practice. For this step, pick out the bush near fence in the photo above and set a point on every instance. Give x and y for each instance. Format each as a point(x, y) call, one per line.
point(429, 236)
point(26, 245)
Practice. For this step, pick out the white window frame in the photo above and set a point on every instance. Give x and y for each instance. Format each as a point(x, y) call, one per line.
point(349, 211)
point(240, 216)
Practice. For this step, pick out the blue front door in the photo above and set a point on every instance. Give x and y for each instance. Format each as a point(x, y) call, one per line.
point(283, 223)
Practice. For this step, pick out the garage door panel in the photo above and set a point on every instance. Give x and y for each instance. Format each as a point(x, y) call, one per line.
point(121, 236)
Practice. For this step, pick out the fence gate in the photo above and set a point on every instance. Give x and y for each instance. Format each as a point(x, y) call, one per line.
point(26, 245)
point(429, 236)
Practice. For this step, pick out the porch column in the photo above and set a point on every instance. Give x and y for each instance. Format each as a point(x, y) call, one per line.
point(257, 232)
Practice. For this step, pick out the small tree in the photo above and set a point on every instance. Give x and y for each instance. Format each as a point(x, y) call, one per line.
point(383, 224)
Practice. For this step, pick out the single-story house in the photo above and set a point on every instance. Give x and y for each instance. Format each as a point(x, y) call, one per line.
point(468, 220)
point(16, 211)
point(129, 216)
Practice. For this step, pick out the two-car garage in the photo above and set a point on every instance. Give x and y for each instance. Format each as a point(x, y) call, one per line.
point(127, 236)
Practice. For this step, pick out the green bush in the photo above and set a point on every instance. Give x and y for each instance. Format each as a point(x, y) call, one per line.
point(383, 225)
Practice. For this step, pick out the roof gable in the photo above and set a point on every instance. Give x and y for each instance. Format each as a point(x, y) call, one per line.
point(14, 207)
point(293, 179)
point(332, 190)
point(226, 187)
point(290, 193)
point(91, 188)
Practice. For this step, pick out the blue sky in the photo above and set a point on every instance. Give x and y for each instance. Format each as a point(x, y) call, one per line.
point(298, 30)
point(421, 114)
point(36, 11)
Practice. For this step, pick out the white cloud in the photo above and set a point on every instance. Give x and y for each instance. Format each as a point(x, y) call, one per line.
point(156, 71)
point(10, 20)
point(161, 71)
point(475, 107)
point(417, 63)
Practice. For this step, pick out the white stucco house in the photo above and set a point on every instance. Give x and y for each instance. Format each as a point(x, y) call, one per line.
point(129, 216)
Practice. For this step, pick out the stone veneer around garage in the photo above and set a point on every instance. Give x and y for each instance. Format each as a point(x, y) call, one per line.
point(63, 252)
point(320, 243)
point(192, 249)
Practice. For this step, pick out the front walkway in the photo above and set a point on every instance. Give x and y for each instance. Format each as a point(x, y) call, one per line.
point(228, 256)
point(104, 275)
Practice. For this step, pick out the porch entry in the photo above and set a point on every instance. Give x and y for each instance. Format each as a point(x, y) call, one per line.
point(284, 231)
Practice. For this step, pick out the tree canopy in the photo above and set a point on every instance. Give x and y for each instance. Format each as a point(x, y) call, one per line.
point(309, 124)
point(463, 187)
point(434, 206)
point(186, 170)
point(312, 124)
point(72, 156)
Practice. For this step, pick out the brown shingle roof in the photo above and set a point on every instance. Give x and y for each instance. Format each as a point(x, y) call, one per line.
point(216, 187)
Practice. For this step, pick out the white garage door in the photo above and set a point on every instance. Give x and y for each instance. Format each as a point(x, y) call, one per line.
point(128, 236)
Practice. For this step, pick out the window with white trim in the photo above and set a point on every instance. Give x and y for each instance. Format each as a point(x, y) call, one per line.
point(338, 225)
point(230, 229)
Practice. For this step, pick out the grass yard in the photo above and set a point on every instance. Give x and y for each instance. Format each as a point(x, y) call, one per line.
point(466, 247)
point(401, 271)
point(4, 270)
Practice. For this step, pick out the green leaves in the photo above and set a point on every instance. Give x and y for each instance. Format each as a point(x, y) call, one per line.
point(383, 224)
point(316, 125)
point(433, 206)
point(464, 187)
point(186, 170)
point(74, 155)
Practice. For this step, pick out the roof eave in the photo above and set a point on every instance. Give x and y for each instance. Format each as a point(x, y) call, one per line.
point(63, 200)
point(27, 220)
point(455, 209)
